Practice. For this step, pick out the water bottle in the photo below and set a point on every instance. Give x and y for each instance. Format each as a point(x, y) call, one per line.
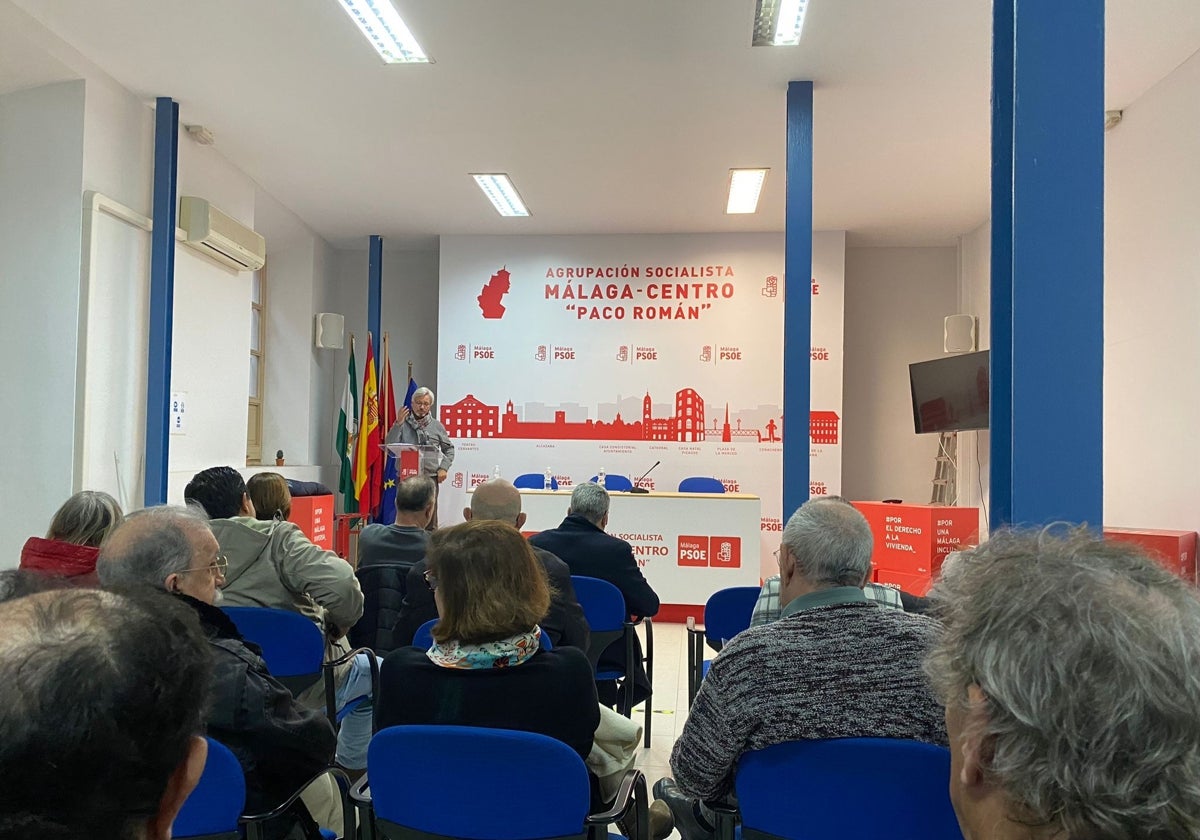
point(600, 477)
point(548, 484)
point(496, 472)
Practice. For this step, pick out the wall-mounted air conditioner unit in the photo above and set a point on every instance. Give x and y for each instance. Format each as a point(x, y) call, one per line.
point(220, 237)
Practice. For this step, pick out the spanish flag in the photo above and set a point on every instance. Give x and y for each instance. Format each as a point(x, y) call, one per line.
point(368, 461)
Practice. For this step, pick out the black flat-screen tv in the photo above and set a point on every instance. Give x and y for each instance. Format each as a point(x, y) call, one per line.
point(950, 394)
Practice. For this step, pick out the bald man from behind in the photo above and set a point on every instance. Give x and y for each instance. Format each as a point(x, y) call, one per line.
point(499, 500)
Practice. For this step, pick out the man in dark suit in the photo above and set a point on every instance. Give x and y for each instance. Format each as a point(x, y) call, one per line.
point(583, 544)
point(497, 499)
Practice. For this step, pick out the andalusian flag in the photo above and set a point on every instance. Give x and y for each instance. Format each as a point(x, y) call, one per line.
point(347, 429)
point(367, 462)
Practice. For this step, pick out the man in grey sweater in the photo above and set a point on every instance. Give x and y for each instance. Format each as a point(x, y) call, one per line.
point(836, 665)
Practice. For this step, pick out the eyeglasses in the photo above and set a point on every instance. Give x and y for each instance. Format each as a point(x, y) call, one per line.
point(216, 568)
point(431, 581)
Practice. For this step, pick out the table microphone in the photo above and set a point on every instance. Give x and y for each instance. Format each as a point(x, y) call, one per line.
point(637, 489)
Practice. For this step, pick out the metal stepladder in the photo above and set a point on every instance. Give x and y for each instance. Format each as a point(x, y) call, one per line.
point(945, 470)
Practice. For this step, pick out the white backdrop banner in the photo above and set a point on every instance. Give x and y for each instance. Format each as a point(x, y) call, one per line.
point(582, 353)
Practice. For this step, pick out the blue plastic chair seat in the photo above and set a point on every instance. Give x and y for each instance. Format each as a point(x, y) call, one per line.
point(214, 806)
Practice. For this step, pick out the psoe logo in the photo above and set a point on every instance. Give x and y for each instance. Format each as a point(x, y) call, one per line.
point(623, 353)
point(478, 478)
point(540, 355)
point(731, 485)
point(480, 352)
point(713, 552)
point(457, 483)
point(729, 354)
point(646, 354)
point(770, 289)
point(706, 353)
point(460, 352)
point(818, 488)
point(562, 354)
point(820, 354)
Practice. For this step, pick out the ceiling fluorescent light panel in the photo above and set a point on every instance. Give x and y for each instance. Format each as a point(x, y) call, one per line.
point(745, 185)
point(501, 192)
point(382, 25)
point(778, 23)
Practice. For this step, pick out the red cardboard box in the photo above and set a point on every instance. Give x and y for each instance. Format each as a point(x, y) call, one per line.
point(912, 540)
point(314, 516)
point(1175, 550)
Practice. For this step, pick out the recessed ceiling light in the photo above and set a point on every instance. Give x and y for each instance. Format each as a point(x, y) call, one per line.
point(501, 192)
point(381, 24)
point(744, 187)
point(778, 23)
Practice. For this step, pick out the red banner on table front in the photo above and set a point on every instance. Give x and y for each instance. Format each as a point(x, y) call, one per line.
point(911, 541)
point(314, 516)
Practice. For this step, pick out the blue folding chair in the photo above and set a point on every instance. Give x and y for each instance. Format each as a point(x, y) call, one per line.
point(534, 481)
point(423, 638)
point(614, 483)
point(814, 790)
point(604, 608)
point(726, 614)
point(701, 484)
point(212, 810)
point(294, 650)
point(521, 785)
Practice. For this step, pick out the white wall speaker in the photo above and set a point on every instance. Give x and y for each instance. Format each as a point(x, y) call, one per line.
point(329, 331)
point(959, 333)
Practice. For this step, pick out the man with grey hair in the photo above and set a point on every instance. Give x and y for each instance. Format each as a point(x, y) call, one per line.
point(419, 427)
point(279, 743)
point(497, 499)
point(1070, 671)
point(836, 665)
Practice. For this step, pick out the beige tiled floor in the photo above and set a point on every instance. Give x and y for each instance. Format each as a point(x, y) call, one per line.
point(669, 702)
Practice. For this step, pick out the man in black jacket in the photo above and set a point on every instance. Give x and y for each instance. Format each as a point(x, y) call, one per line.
point(585, 547)
point(499, 500)
point(279, 743)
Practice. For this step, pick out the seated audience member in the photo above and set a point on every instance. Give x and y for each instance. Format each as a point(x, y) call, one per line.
point(279, 743)
point(70, 547)
point(1070, 671)
point(486, 667)
point(269, 494)
point(581, 542)
point(392, 551)
point(114, 755)
point(834, 666)
point(272, 564)
point(497, 500)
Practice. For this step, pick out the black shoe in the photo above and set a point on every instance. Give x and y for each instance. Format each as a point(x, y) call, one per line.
point(686, 811)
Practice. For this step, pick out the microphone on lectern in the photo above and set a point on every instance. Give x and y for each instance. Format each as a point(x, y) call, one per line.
point(637, 489)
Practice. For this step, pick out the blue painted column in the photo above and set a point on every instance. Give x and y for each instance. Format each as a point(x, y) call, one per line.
point(162, 300)
point(797, 309)
point(1047, 262)
point(375, 292)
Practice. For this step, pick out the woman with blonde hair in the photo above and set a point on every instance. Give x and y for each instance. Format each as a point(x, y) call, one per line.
point(72, 544)
point(270, 494)
point(486, 666)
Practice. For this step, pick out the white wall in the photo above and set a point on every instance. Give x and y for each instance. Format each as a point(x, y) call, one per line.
point(895, 301)
point(1152, 308)
point(41, 181)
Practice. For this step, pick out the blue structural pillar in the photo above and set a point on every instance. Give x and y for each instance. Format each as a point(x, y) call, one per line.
point(1047, 262)
point(797, 308)
point(375, 292)
point(162, 299)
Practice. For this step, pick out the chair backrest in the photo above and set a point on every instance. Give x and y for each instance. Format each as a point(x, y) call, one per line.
point(617, 483)
point(495, 769)
point(383, 587)
point(603, 604)
point(292, 644)
point(423, 638)
point(802, 790)
point(728, 613)
point(701, 484)
point(213, 808)
point(534, 481)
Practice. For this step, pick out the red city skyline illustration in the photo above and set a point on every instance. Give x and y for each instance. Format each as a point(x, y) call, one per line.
point(470, 417)
point(493, 292)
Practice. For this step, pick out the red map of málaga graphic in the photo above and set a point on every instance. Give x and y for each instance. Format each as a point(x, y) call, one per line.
point(472, 418)
point(493, 292)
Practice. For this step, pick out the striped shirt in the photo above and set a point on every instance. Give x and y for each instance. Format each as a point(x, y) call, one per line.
point(845, 668)
point(768, 609)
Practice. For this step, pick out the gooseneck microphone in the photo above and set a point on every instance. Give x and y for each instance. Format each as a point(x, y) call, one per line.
point(637, 489)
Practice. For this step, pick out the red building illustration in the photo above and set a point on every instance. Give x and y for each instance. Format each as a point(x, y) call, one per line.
point(471, 418)
point(823, 426)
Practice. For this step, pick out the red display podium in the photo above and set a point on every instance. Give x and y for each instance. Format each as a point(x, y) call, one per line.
point(314, 516)
point(911, 541)
point(1174, 550)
